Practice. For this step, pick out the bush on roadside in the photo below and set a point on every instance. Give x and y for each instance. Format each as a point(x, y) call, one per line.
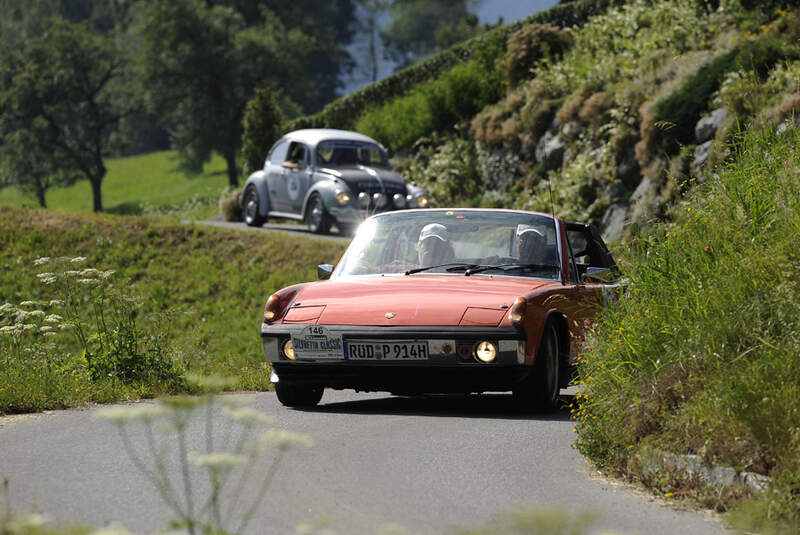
point(229, 207)
point(529, 45)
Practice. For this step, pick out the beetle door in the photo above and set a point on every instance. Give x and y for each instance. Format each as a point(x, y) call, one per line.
point(298, 178)
point(276, 177)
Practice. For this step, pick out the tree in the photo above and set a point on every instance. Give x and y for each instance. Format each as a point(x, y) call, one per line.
point(263, 125)
point(200, 63)
point(58, 107)
point(419, 28)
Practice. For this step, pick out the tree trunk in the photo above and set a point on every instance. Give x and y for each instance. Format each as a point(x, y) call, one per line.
point(97, 195)
point(233, 172)
point(40, 191)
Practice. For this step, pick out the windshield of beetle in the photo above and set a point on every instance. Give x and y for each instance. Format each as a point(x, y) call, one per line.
point(454, 242)
point(336, 153)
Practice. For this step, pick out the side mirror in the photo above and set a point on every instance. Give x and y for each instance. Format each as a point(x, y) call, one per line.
point(324, 271)
point(597, 274)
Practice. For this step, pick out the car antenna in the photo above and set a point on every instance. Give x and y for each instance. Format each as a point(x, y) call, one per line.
point(553, 215)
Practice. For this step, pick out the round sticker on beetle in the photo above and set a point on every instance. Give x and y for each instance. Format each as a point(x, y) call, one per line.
point(449, 212)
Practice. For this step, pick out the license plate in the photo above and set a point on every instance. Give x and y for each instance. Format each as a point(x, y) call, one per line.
point(382, 350)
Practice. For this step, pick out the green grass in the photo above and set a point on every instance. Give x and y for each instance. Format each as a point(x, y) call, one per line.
point(702, 355)
point(145, 183)
point(211, 283)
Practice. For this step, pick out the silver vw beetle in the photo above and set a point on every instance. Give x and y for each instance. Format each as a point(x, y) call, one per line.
point(326, 177)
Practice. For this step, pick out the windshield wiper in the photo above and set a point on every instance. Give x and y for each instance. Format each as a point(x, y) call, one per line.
point(508, 267)
point(455, 266)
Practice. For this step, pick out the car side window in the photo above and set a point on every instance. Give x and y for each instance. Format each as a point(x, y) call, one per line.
point(298, 153)
point(278, 153)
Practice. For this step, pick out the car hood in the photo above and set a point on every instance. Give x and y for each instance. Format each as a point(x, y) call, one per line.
point(362, 178)
point(412, 300)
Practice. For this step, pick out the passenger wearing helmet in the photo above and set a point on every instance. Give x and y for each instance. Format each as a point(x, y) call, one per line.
point(531, 245)
point(434, 246)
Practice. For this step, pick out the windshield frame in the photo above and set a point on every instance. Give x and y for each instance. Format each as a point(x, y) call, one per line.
point(558, 229)
point(350, 143)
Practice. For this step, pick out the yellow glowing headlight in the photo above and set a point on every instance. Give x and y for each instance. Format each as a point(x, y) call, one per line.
point(485, 351)
point(288, 349)
point(422, 202)
point(343, 197)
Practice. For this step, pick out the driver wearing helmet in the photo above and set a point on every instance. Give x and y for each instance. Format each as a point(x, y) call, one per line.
point(434, 246)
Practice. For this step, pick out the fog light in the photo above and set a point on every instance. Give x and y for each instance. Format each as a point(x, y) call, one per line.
point(399, 200)
point(485, 351)
point(411, 201)
point(422, 202)
point(343, 197)
point(363, 199)
point(379, 199)
point(288, 349)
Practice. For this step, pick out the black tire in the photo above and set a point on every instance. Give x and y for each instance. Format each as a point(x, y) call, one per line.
point(250, 208)
point(317, 218)
point(540, 391)
point(298, 395)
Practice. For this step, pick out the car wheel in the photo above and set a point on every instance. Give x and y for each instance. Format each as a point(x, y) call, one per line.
point(540, 391)
point(298, 395)
point(317, 219)
point(250, 208)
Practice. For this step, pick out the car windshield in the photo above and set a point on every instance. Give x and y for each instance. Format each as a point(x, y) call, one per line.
point(342, 153)
point(455, 242)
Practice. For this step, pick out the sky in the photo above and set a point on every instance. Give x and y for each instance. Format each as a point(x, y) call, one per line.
point(488, 11)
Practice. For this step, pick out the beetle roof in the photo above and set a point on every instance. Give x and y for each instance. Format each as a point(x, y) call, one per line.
point(313, 136)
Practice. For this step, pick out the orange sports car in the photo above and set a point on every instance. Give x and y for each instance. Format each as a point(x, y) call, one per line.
point(443, 301)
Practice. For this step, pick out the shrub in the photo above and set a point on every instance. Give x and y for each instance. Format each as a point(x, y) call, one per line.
point(263, 124)
point(229, 207)
point(530, 44)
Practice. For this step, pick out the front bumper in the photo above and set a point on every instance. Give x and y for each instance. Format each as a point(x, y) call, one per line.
point(449, 367)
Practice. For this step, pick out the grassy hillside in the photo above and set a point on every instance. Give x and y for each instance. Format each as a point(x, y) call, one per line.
point(202, 289)
point(147, 183)
point(702, 355)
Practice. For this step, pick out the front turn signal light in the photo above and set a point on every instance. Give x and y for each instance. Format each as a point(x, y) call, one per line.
point(517, 312)
point(272, 309)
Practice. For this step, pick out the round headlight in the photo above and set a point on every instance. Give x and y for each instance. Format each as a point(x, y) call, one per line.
point(363, 199)
point(399, 200)
point(288, 349)
point(380, 199)
point(485, 351)
point(343, 197)
point(422, 202)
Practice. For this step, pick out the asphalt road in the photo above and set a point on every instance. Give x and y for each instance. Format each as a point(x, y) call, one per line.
point(291, 229)
point(424, 463)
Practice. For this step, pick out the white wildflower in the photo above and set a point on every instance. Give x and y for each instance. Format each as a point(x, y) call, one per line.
point(56, 303)
point(53, 318)
point(89, 282)
point(248, 416)
point(41, 260)
point(111, 529)
point(106, 274)
point(36, 314)
point(45, 329)
point(49, 334)
point(89, 272)
point(7, 307)
point(121, 415)
point(78, 259)
point(50, 280)
point(72, 273)
point(45, 275)
point(28, 303)
point(8, 329)
point(65, 326)
point(283, 440)
point(216, 461)
point(28, 327)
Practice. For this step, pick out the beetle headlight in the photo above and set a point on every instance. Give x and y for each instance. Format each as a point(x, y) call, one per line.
point(288, 349)
point(485, 351)
point(343, 197)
